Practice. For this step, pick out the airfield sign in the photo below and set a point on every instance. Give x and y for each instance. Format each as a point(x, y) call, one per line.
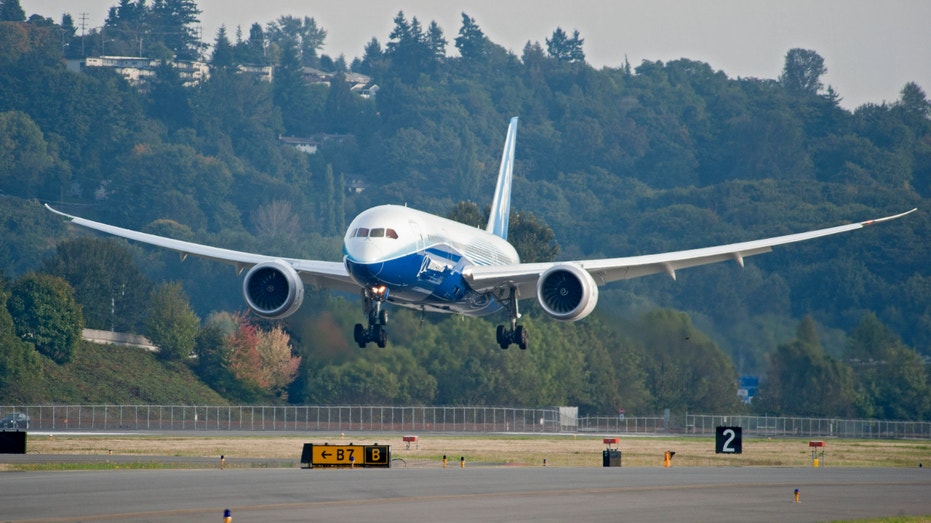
point(728, 440)
point(346, 455)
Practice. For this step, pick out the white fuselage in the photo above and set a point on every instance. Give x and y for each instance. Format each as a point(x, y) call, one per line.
point(419, 258)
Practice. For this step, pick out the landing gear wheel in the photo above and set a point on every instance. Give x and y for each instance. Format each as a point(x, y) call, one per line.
point(383, 317)
point(503, 337)
point(379, 336)
point(360, 335)
point(521, 337)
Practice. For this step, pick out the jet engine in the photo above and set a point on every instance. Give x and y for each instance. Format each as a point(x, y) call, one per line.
point(567, 292)
point(273, 289)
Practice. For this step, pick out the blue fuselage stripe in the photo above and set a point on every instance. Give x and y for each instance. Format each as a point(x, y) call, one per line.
point(432, 279)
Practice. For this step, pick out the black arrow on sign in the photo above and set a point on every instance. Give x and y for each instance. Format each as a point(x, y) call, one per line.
point(325, 454)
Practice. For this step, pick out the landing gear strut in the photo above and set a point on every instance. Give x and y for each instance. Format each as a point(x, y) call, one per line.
point(372, 300)
point(517, 334)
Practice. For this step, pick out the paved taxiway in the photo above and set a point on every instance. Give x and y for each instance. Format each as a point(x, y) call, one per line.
point(509, 494)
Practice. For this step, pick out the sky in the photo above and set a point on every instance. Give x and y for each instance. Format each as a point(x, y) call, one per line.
point(871, 49)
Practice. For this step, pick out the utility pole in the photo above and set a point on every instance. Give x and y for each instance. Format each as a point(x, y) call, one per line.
point(83, 27)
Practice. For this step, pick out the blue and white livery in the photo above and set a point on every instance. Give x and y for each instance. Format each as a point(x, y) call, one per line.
point(414, 259)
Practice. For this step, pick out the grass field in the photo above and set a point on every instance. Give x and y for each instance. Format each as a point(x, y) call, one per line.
point(557, 450)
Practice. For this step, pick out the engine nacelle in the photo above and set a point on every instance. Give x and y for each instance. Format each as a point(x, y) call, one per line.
point(567, 292)
point(273, 289)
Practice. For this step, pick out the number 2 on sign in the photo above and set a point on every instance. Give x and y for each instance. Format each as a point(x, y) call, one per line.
point(730, 438)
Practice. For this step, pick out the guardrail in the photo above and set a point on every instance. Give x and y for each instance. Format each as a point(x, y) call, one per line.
point(438, 419)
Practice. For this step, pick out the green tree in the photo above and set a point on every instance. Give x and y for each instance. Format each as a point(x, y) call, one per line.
point(252, 51)
point(20, 368)
point(11, 11)
point(373, 59)
point(291, 94)
point(24, 156)
point(304, 34)
point(171, 325)
point(802, 380)
point(176, 21)
point(534, 240)
point(890, 376)
point(46, 314)
point(914, 101)
point(685, 370)
point(564, 48)
point(212, 364)
point(469, 214)
point(168, 99)
point(436, 42)
point(802, 72)
point(110, 299)
point(222, 55)
point(471, 41)
point(410, 50)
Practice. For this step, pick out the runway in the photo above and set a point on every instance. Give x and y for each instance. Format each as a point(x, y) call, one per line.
point(395, 495)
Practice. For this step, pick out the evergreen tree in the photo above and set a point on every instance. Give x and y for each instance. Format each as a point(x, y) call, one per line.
point(11, 11)
point(804, 381)
point(252, 51)
point(168, 99)
point(471, 41)
point(291, 93)
point(564, 48)
point(223, 55)
point(175, 20)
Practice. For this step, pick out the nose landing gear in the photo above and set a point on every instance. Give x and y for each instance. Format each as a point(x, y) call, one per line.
point(372, 300)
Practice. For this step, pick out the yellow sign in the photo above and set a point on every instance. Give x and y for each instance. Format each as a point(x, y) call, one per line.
point(347, 455)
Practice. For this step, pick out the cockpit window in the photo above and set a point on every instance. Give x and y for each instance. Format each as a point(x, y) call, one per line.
point(363, 232)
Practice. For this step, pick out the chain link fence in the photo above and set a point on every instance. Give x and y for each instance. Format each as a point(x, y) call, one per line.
point(63, 418)
point(293, 418)
point(811, 427)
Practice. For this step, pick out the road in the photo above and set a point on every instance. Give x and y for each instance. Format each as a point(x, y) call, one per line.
point(474, 493)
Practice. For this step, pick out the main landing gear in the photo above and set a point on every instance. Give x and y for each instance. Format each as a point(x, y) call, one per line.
point(517, 334)
point(372, 300)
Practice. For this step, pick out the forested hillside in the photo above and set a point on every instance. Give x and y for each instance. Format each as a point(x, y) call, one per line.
point(636, 159)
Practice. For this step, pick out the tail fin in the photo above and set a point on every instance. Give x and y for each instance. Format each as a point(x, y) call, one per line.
point(501, 205)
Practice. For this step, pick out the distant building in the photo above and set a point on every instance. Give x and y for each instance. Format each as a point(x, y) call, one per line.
point(310, 144)
point(358, 83)
point(264, 73)
point(137, 70)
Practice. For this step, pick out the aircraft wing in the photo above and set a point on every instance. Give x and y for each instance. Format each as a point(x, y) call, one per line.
point(524, 276)
point(324, 274)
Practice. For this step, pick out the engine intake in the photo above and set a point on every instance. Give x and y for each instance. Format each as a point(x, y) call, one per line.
point(567, 292)
point(273, 289)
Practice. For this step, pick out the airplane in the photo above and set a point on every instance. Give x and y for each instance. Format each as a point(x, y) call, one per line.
point(410, 258)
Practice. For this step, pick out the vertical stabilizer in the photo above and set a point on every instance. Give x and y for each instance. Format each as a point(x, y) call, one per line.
point(501, 205)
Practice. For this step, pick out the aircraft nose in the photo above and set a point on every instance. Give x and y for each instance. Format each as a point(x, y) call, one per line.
point(365, 251)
